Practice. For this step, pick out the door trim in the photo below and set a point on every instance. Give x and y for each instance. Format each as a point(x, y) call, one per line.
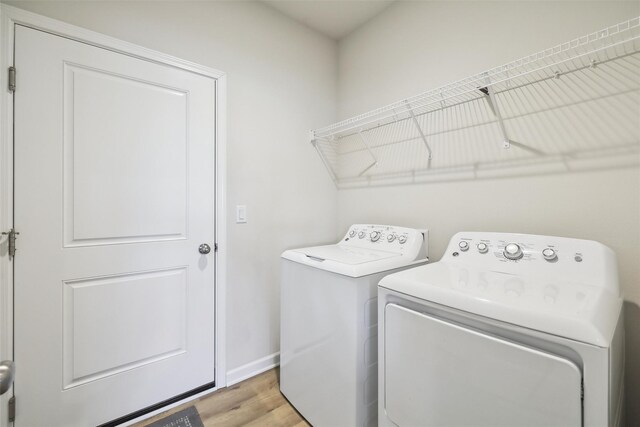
point(9, 18)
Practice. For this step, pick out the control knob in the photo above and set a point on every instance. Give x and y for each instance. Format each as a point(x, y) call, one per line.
point(352, 233)
point(361, 234)
point(402, 239)
point(375, 236)
point(464, 246)
point(513, 251)
point(549, 254)
point(391, 238)
point(483, 248)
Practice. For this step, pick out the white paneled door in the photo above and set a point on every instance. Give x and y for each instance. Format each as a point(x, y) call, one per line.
point(114, 194)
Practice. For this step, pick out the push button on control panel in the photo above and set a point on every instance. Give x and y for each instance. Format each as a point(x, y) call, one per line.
point(549, 254)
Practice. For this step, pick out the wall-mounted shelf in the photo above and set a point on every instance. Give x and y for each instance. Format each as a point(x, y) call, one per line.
point(575, 105)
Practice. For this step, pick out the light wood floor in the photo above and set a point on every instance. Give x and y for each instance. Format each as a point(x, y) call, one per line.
point(254, 402)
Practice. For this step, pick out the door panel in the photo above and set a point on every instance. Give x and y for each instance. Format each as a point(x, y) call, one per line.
point(114, 188)
point(148, 149)
point(440, 374)
point(97, 344)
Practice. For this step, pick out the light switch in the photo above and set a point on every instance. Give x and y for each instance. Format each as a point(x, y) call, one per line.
point(241, 214)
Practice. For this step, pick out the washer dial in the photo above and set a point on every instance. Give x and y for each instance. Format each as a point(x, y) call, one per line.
point(361, 234)
point(352, 233)
point(374, 236)
point(513, 251)
point(483, 248)
point(391, 238)
point(464, 246)
point(402, 239)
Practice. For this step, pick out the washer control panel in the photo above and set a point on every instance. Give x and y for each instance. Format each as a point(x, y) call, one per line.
point(389, 238)
point(583, 260)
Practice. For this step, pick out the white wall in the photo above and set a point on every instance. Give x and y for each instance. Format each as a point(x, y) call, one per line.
point(416, 46)
point(281, 82)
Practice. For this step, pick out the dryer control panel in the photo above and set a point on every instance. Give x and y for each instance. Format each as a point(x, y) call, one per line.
point(584, 261)
point(406, 241)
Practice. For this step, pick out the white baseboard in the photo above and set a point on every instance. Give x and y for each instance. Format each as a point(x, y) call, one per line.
point(251, 369)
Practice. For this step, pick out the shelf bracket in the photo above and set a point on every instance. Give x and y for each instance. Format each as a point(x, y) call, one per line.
point(506, 142)
point(415, 122)
point(314, 141)
point(375, 160)
point(493, 104)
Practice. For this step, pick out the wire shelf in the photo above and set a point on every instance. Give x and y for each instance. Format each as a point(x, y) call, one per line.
point(578, 100)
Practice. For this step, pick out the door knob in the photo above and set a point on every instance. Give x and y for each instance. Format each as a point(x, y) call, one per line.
point(7, 372)
point(204, 249)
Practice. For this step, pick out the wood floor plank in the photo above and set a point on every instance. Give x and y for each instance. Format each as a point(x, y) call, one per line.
point(282, 415)
point(246, 411)
point(255, 402)
point(232, 397)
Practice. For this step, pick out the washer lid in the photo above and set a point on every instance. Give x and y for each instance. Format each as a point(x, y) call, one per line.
point(348, 260)
point(345, 254)
point(574, 310)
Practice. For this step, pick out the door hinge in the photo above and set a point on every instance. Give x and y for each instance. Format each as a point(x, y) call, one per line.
point(12, 409)
point(12, 79)
point(11, 238)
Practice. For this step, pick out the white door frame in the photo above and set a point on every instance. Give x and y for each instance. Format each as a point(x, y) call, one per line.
point(9, 17)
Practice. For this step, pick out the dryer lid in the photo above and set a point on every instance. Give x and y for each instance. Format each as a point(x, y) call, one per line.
point(573, 310)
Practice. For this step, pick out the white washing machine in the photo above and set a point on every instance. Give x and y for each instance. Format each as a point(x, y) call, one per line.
point(505, 330)
point(328, 341)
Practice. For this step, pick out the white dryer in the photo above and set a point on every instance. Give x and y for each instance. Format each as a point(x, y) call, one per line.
point(328, 340)
point(505, 330)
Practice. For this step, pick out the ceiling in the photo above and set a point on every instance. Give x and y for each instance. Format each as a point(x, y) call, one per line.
point(334, 18)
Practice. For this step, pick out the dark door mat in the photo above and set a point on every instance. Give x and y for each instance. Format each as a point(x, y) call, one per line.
point(186, 418)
